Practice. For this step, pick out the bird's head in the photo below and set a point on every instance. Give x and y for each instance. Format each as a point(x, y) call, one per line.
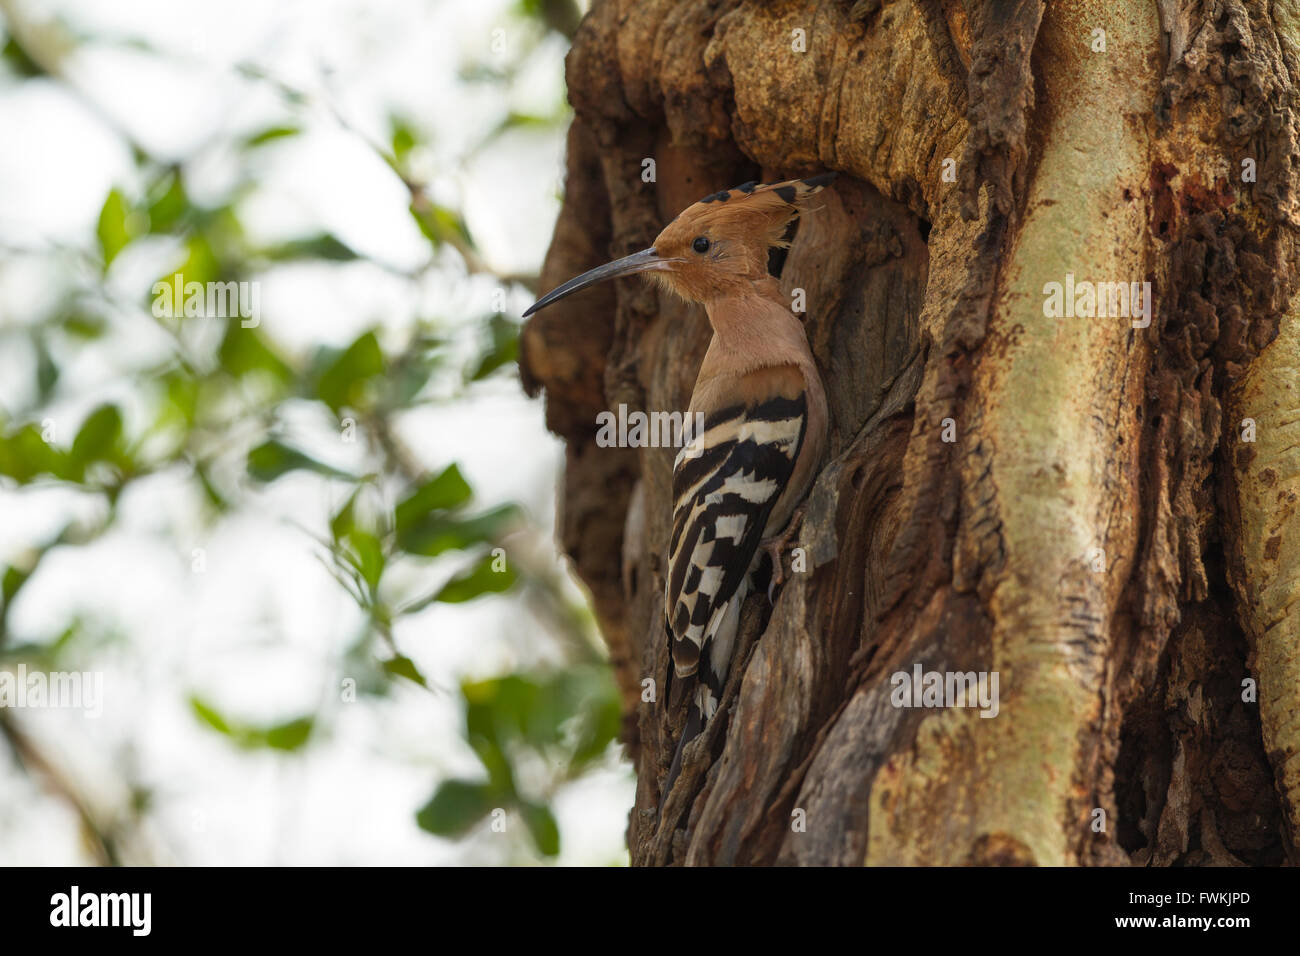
point(716, 248)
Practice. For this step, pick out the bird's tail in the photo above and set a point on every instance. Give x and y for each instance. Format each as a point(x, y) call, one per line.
point(706, 685)
point(694, 727)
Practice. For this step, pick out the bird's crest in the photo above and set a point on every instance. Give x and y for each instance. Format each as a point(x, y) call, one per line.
point(792, 191)
point(762, 209)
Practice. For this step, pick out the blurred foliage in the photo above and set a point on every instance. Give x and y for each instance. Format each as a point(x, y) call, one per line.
point(220, 399)
point(567, 720)
point(288, 735)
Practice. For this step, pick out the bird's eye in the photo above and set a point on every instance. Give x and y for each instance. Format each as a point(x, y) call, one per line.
point(700, 245)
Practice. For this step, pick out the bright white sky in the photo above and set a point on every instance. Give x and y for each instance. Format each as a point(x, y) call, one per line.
point(256, 632)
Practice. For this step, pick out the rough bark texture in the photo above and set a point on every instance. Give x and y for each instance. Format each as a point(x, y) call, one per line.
point(1077, 504)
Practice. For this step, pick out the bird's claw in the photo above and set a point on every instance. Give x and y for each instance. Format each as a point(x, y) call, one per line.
point(773, 549)
point(775, 545)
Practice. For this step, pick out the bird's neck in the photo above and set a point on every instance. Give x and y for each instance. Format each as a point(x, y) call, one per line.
point(756, 327)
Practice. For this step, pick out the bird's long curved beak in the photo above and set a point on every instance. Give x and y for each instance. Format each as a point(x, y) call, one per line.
point(646, 260)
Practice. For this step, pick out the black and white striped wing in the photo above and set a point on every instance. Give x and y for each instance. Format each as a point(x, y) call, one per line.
point(725, 484)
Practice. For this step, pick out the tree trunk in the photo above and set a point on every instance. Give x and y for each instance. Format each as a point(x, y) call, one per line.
point(1099, 512)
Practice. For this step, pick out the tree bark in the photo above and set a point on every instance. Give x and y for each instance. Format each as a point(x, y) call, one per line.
point(1101, 513)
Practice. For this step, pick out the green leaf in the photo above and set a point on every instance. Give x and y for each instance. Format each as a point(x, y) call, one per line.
point(47, 373)
point(436, 533)
point(501, 775)
point(343, 382)
point(112, 228)
point(13, 580)
point(269, 135)
point(25, 454)
point(343, 522)
point(180, 400)
point(167, 210)
point(369, 556)
point(578, 708)
point(289, 735)
point(100, 437)
point(18, 60)
point(541, 824)
point(529, 121)
point(443, 492)
point(81, 326)
point(440, 224)
point(209, 715)
point(200, 266)
point(480, 579)
point(502, 348)
point(404, 667)
point(323, 246)
point(211, 493)
point(271, 459)
point(404, 138)
point(245, 351)
point(455, 807)
point(516, 120)
point(411, 371)
point(602, 717)
point(515, 706)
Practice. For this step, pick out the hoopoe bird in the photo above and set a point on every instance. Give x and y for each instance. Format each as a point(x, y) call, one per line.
point(737, 485)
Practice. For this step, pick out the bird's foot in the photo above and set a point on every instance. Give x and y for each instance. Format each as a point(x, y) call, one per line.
point(775, 545)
